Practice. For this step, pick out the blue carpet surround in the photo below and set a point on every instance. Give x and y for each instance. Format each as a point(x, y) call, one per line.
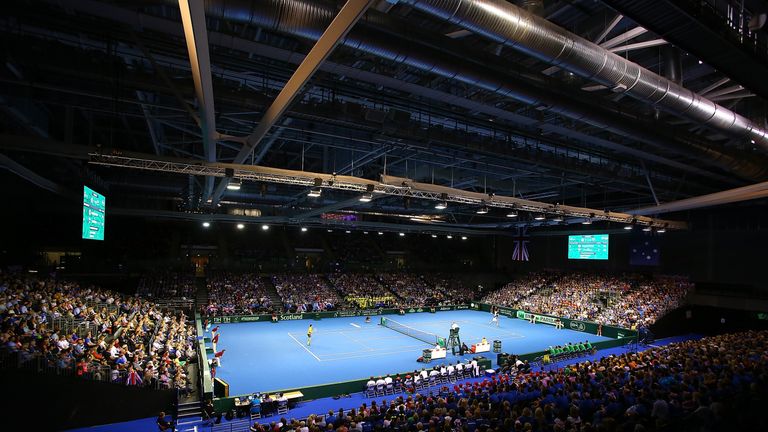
point(264, 356)
point(145, 424)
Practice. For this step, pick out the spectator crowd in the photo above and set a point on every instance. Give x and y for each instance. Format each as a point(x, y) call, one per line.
point(714, 384)
point(627, 301)
point(236, 294)
point(166, 285)
point(305, 292)
point(49, 324)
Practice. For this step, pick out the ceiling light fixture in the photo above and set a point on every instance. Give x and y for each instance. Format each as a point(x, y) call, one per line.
point(303, 229)
point(482, 210)
point(240, 226)
point(441, 205)
point(264, 227)
point(512, 214)
point(539, 217)
point(449, 236)
point(206, 224)
point(402, 234)
point(316, 191)
point(381, 233)
point(463, 237)
point(234, 185)
point(366, 197)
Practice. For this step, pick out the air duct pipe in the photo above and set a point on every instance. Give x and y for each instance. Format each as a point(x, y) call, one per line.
point(535, 7)
point(673, 66)
point(301, 18)
point(512, 26)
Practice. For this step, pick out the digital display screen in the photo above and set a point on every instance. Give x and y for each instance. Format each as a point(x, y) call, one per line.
point(588, 247)
point(94, 214)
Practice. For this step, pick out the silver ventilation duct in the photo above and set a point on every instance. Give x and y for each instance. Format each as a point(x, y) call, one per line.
point(535, 7)
point(305, 19)
point(516, 28)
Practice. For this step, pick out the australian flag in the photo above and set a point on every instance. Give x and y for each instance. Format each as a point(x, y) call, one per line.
point(520, 253)
point(644, 249)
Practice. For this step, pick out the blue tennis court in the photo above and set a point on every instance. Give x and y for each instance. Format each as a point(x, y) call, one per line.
point(263, 356)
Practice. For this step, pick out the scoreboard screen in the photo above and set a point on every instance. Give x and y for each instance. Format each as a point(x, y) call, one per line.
point(94, 214)
point(588, 247)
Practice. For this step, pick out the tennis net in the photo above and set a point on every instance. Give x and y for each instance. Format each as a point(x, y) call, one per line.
point(421, 335)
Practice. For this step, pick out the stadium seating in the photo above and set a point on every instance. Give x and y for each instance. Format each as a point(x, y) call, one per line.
point(60, 327)
point(692, 385)
point(626, 300)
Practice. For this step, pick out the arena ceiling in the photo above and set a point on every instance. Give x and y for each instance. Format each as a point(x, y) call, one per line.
point(415, 90)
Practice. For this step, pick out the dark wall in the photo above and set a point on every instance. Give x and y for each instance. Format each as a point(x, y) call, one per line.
point(726, 245)
point(708, 321)
point(50, 402)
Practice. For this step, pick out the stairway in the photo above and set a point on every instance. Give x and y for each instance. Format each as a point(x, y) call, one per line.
point(335, 288)
point(201, 292)
point(274, 297)
point(327, 248)
point(188, 414)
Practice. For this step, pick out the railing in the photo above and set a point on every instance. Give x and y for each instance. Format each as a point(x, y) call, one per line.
point(40, 365)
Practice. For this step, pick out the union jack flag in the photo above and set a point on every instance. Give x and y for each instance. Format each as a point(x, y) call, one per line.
point(520, 253)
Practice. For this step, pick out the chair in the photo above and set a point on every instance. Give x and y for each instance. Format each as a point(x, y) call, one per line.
point(255, 411)
point(434, 380)
point(452, 375)
point(380, 390)
point(389, 389)
point(282, 407)
point(370, 390)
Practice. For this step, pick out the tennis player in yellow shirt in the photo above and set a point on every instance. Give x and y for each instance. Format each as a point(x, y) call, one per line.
point(309, 335)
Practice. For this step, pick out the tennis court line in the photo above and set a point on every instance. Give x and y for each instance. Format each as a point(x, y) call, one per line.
point(372, 354)
point(354, 325)
point(302, 345)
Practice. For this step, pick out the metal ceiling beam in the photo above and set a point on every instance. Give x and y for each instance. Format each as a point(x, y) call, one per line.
point(388, 185)
point(611, 25)
point(505, 23)
point(639, 45)
point(332, 207)
point(624, 37)
point(705, 91)
point(151, 123)
point(739, 95)
point(599, 38)
point(258, 154)
point(347, 17)
point(163, 76)
point(319, 223)
point(162, 25)
point(755, 191)
point(196, 35)
point(33, 177)
point(725, 91)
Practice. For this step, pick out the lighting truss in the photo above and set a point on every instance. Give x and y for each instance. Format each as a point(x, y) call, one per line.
point(396, 186)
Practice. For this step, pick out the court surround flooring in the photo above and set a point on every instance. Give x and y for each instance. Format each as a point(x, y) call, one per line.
point(263, 356)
